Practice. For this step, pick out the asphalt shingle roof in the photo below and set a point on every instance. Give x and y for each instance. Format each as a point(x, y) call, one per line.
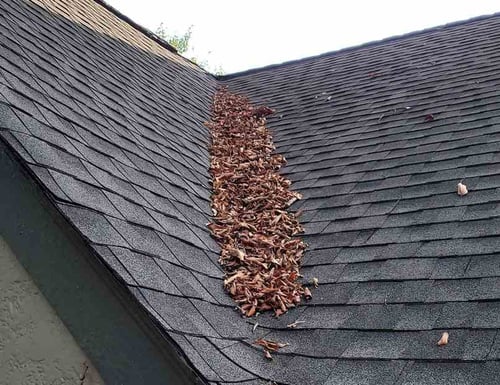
point(110, 122)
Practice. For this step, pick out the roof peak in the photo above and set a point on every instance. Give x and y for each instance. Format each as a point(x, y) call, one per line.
point(137, 26)
point(358, 46)
point(372, 43)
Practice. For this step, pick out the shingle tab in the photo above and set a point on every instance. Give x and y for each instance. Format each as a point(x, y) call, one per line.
point(93, 225)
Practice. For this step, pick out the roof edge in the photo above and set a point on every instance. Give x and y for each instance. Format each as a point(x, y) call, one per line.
point(137, 26)
point(149, 34)
point(86, 275)
point(356, 47)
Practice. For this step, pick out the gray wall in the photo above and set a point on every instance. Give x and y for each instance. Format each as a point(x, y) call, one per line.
point(35, 346)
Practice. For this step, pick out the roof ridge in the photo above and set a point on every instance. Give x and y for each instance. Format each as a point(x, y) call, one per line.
point(148, 33)
point(137, 26)
point(357, 47)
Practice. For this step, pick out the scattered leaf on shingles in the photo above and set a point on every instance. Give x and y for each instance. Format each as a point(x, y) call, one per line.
point(255, 326)
point(307, 293)
point(293, 325)
point(260, 251)
point(315, 282)
point(444, 339)
point(262, 111)
point(429, 118)
point(268, 355)
point(270, 345)
point(462, 189)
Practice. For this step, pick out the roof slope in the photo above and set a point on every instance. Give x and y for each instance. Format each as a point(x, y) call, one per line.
point(110, 122)
point(399, 255)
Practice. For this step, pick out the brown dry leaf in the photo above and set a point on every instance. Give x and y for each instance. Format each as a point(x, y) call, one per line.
point(444, 339)
point(429, 118)
point(270, 345)
point(462, 189)
point(315, 282)
point(307, 293)
point(251, 312)
point(262, 111)
point(260, 252)
point(268, 355)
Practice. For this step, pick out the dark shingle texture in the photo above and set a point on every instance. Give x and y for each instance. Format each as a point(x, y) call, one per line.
point(111, 124)
point(400, 257)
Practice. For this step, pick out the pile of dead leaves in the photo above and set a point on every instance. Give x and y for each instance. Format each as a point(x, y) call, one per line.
point(260, 253)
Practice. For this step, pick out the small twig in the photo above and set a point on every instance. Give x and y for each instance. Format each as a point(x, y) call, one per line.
point(293, 325)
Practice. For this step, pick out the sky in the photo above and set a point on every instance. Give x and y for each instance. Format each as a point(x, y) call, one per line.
point(238, 35)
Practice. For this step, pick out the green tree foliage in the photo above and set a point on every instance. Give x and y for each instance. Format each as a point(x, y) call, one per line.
point(181, 42)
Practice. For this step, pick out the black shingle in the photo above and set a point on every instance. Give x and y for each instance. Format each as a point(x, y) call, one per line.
point(369, 344)
point(494, 352)
point(191, 256)
point(115, 184)
point(479, 344)
point(145, 270)
point(486, 315)
point(316, 343)
point(364, 271)
point(10, 121)
point(176, 228)
point(45, 176)
point(487, 373)
point(442, 373)
point(199, 361)
point(374, 317)
point(84, 194)
point(179, 313)
point(50, 135)
point(455, 247)
point(223, 366)
point(411, 291)
point(324, 274)
point(371, 292)
point(334, 294)
point(411, 268)
point(187, 282)
point(142, 239)
point(419, 317)
point(131, 211)
point(215, 287)
point(359, 254)
point(93, 225)
point(328, 317)
point(449, 268)
point(115, 264)
point(455, 290)
point(318, 257)
point(225, 320)
point(291, 370)
point(483, 266)
point(353, 372)
point(53, 157)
